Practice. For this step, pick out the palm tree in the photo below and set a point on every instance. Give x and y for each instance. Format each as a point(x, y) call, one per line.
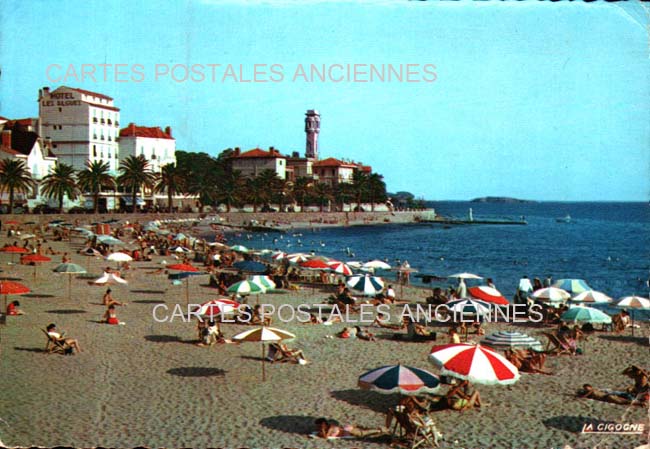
point(135, 173)
point(14, 177)
point(60, 183)
point(342, 193)
point(172, 181)
point(271, 185)
point(301, 189)
point(95, 176)
point(230, 188)
point(256, 191)
point(323, 193)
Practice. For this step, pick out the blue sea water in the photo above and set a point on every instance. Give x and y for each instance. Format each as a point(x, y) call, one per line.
point(606, 244)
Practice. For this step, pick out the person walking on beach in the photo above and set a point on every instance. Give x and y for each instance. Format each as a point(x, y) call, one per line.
point(461, 290)
point(523, 290)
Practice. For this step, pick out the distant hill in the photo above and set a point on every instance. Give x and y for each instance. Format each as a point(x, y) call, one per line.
point(499, 199)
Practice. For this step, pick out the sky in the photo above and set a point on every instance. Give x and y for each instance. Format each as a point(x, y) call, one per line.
point(533, 100)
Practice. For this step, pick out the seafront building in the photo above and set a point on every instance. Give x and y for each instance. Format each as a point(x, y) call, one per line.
point(20, 141)
point(82, 125)
point(156, 145)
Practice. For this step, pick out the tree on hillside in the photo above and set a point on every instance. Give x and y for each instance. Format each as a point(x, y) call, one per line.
point(14, 178)
point(95, 176)
point(135, 173)
point(60, 183)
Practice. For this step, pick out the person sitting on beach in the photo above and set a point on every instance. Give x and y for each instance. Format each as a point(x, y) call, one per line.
point(478, 328)
point(211, 334)
point(332, 429)
point(527, 361)
point(110, 317)
point(345, 298)
point(641, 387)
point(437, 297)
point(381, 320)
point(259, 318)
point(292, 354)
point(13, 310)
point(417, 332)
point(108, 300)
point(347, 333)
point(65, 258)
point(454, 338)
point(390, 293)
point(364, 334)
point(53, 332)
point(462, 397)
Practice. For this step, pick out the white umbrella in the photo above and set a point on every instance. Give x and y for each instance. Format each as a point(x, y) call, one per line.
point(376, 265)
point(465, 276)
point(551, 294)
point(119, 257)
point(592, 296)
point(110, 278)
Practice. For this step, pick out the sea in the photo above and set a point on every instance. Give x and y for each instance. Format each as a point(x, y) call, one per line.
point(607, 244)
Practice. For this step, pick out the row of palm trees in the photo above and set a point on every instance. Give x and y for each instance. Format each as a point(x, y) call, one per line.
point(210, 181)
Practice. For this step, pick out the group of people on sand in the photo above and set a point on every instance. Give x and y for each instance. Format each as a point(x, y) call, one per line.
point(637, 394)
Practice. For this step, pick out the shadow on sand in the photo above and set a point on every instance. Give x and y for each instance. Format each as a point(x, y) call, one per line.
point(37, 350)
point(641, 340)
point(163, 338)
point(368, 399)
point(149, 301)
point(37, 295)
point(66, 311)
point(150, 292)
point(290, 423)
point(572, 424)
point(196, 371)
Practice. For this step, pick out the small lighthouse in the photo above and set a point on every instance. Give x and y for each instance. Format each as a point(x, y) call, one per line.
point(312, 128)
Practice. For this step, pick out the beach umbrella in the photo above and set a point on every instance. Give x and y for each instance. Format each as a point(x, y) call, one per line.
point(91, 252)
point(250, 266)
point(474, 363)
point(246, 287)
point(376, 265)
point(367, 284)
point(119, 257)
point(340, 268)
point(217, 306)
point(35, 259)
point(264, 335)
point(279, 255)
point(400, 379)
point(511, 340)
point(109, 278)
point(298, 257)
point(109, 240)
point(239, 248)
point(27, 236)
point(592, 296)
point(354, 264)
point(488, 294)
point(12, 223)
point(12, 288)
point(551, 294)
point(11, 249)
point(465, 276)
point(468, 305)
point(573, 286)
point(180, 250)
point(634, 302)
point(185, 268)
point(315, 264)
point(584, 314)
point(69, 269)
point(263, 281)
point(180, 236)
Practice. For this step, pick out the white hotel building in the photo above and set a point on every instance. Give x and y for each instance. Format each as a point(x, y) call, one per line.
point(83, 126)
point(156, 145)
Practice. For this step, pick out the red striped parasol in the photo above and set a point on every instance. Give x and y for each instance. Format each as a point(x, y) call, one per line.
point(488, 294)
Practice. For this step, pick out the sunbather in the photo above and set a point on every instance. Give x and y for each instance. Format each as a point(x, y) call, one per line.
point(527, 361)
point(108, 299)
point(417, 332)
point(53, 332)
point(621, 397)
point(381, 320)
point(291, 354)
point(12, 309)
point(110, 317)
point(462, 397)
point(363, 334)
point(331, 429)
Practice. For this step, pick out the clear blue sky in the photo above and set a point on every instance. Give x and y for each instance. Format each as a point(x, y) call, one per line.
point(534, 100)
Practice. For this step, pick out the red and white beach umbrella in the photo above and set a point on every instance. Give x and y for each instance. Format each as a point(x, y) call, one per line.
point(340, 268)
point(474, 363)
point(217, 306)
point(279, 255)
point(488, 294)
point(315, 264)
point(298, 257)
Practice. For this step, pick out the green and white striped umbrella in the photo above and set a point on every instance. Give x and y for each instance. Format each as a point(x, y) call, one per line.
point(246, 287)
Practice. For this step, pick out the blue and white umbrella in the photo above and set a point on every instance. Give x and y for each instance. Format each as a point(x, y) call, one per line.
point(467, 305)
point(583, 314)
point(366, 284)
point(573, 286)
point(400, 379)
point(109, 240)
point(511, 340)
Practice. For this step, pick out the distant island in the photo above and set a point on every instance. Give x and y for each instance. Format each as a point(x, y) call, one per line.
point(499, 199)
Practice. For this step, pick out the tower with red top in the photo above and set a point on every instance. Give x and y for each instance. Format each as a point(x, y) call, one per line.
point(312, 128)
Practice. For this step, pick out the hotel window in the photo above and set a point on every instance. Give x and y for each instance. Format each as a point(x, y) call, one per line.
point(94, 151)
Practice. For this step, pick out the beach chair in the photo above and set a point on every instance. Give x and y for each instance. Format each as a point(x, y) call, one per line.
point(556, 346)
point(283, 355)
point(55, 346)
point(426, 432)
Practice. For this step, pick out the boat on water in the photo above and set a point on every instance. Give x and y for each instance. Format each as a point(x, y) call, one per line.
point(565, 219)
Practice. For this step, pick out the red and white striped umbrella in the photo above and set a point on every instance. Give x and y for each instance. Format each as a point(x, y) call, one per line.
point(315, 264)
point(474, 363)
point(217, 306)
point(298, 257)
point(279, 255)
point(488, 294)
point(340, 268)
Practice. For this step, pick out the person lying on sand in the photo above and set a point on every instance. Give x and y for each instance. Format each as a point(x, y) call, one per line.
point(527, 361)
point(381, 320)
point(614, 397)
point(332, 429)
point(417, 332)
point(363, 334)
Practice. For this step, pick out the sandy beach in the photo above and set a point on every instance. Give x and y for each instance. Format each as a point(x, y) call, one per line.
point(148, 384)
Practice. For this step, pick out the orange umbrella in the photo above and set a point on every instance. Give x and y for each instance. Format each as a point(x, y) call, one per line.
point(12, 223)
point(186, 268)
point(12, 288)
point(14, 250)
point(35, 259)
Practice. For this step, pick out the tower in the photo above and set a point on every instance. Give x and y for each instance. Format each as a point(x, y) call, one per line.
point(312, 128)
